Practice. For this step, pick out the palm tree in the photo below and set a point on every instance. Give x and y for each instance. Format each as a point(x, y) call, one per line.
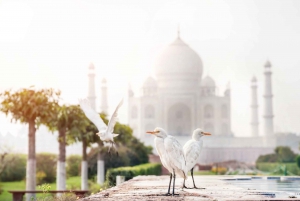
point(69, 121)
point(33, 107)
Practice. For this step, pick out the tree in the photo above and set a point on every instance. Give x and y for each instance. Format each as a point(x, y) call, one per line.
point(69, 120)
point(33, 107)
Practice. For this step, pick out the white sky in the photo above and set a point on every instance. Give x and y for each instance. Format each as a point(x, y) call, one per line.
point(51, 44)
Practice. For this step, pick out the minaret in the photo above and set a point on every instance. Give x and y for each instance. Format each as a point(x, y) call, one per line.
point(268, 101)
point(91, 94)
point(104, 105)
point(92, 99)
point(254, 109)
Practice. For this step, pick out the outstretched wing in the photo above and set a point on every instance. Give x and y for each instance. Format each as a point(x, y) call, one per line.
point(91, 114)
point(114, 118)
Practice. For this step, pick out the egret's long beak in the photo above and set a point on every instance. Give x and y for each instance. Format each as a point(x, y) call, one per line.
point(204, 133)
point(152, 132)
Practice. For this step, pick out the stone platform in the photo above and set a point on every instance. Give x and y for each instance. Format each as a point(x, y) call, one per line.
point(153, 187)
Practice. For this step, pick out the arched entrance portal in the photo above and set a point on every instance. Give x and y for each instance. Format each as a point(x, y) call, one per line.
point(179, 120)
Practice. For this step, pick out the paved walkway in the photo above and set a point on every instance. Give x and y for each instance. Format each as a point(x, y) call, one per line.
point(153, 187)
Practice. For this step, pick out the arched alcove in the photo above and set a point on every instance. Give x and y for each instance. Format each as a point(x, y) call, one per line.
point(149, 112)
point(208, 111)
point(209, 128)
point(179, 120)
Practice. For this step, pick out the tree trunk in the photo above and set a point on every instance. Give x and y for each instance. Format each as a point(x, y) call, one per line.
point(84, 147)
point(100, 168)
point(84, 167)
point(61, 163)
point(31, 161)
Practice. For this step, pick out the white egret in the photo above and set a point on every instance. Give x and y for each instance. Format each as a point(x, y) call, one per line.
point(105, 131)
point(192, 150)
point(171, 154)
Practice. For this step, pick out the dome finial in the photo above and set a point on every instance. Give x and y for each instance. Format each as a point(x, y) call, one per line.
point(268, 64)
point(178, 30)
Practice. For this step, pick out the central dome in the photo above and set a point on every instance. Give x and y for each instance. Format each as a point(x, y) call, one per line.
point(178, 60)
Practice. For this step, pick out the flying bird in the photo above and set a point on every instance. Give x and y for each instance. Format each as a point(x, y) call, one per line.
point(171, 155)
point(192, 150)
point(105, 131)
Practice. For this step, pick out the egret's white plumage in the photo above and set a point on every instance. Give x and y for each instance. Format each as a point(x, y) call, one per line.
point(171, 154)
point(160, 148)
point(192, 150)
point(105, 132)
point(176, 157)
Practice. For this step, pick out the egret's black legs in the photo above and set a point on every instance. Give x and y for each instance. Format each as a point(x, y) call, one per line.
point(174, 178)
point(168, 194)
point(184, 186)
point(193, 179)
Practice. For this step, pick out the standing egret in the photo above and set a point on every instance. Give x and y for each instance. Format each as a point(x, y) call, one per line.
point(192, 150)
point(170, 153)
point(105, 132)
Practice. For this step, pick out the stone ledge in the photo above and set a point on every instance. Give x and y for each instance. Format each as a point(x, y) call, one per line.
point(153, 187)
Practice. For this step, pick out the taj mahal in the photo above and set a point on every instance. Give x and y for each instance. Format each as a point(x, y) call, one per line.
point(179, 100)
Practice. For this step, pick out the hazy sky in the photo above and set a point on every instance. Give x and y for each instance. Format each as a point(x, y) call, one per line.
point(51, 44)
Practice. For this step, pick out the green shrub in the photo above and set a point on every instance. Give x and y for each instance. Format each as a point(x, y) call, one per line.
point(271, 167)
point(15, 169)
point(130, 172)
point(46, 162)
point(40, 177)
point(73, 165)
point(283, 154)
point(271, 158)
point(298, 161)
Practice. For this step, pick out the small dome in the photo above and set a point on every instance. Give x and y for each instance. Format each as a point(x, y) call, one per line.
point(103, 81)
point(150, 82)
point(254, 79)
point(208, 82)
point(91, 66)
point(268, 64)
